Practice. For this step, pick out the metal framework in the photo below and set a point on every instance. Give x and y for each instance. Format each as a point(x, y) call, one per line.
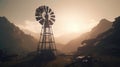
point(46, 41)
point(46, 47)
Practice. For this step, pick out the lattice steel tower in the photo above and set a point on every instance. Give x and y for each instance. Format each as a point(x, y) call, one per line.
point(46, 46)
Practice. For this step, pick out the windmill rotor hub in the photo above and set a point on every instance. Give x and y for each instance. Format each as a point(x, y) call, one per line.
point(45, 16)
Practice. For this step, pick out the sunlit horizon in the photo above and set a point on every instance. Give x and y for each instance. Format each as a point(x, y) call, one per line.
point(72, 16)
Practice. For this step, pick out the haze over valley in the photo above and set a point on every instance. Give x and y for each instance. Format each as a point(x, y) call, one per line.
point(59, 33)
point(73, 18)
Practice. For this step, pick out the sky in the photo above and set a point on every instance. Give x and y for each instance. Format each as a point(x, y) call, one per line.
point(72, 16)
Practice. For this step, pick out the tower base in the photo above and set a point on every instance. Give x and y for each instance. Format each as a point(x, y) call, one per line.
point(46, 55)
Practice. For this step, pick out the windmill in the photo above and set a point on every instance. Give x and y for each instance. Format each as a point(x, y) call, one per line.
point(46, 47)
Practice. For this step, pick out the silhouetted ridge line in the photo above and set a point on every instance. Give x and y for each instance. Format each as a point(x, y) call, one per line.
point(101, 27)
point(13, 40)
point(106, 43)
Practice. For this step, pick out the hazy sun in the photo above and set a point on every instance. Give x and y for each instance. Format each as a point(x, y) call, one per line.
point(71, 22)
point(72, 27)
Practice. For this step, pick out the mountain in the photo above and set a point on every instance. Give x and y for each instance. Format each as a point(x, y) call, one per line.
point(103, 25)
point(13, 40)
point(106, 43)
point(100, 28)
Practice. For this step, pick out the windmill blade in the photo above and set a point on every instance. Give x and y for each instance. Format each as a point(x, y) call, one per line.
point(50, 10)
point(37, 10)
point(44, 7)
point(52, 19)
point(53, 16)
point(41, 9)
point(38, 14)
point(38, 18)
point(51, 13)
point(47, 8)
point(50, 22)
point(41, 21)
point(41, 18)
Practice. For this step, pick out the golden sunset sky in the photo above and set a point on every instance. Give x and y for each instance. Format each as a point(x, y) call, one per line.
point(72, 16)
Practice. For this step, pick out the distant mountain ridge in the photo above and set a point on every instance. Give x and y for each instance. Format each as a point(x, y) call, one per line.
point(103, 25)
point(106, 43)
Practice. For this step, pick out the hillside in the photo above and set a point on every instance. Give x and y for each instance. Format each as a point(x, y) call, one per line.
point(106, 43)
point(101, 27)
point(13, 40)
